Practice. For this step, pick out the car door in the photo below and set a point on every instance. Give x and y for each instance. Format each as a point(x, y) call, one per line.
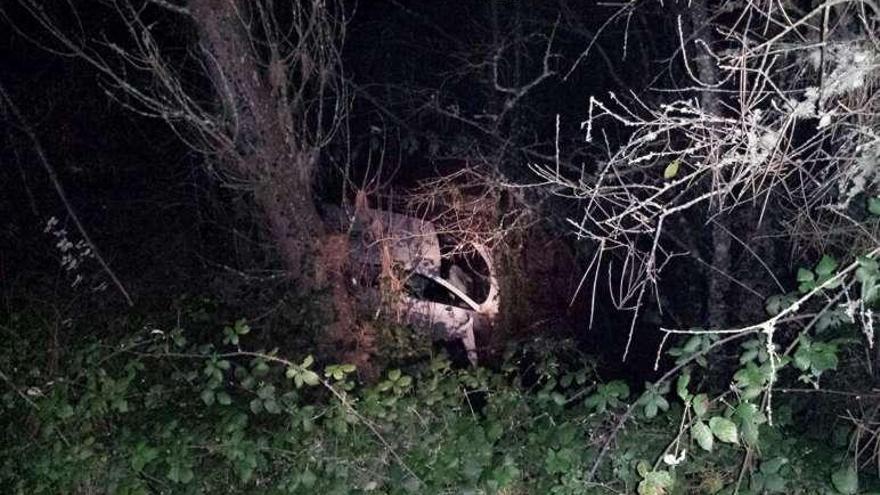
point(433, 304)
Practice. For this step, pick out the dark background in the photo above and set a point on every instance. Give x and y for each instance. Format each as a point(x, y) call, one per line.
point(167, 225)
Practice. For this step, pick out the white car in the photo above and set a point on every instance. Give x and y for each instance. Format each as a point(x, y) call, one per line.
point(451, 295)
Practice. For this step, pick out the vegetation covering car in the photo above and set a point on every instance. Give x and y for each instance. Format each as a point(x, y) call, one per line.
point(447, 290)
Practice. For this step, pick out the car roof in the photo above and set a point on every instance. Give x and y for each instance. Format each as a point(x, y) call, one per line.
point(413, 242)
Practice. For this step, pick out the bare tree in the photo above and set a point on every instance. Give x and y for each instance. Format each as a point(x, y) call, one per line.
point(259, 91)
point(275, 97)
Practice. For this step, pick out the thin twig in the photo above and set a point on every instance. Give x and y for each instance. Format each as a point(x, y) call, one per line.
point(632, 407)
point(18, 391)
point(59, 189)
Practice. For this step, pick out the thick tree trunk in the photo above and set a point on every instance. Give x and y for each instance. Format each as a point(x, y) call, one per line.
point(719, 285)
point(294, 225)
point(265, 152)
point(280, 171)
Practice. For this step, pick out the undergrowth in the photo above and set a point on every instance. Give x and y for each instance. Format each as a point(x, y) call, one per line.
point(185, 402)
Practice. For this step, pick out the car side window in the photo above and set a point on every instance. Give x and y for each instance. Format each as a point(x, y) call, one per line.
point(423, 288)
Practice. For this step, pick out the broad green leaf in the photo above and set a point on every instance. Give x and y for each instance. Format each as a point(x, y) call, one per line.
point(266, 392)
point(224, 398)
point(558, 398)
point(804, 275)
point(65, 411)
point(805, 287)
point(724, 429)
point(802, 359)
point(779, 302)
point(748, 356)
point(271, 406)
point(846, 480)
point(701, 404)
point(681, 386)
point(831, 319)
point(703, 435)
point(596, 402)
point(874, 206)
point(749, 419)
point(655, 483)
point(310, 378)
point(173, 473)
point(662, 403)
point(229, 336)
point(617, 389)
point(260, 367)
point(143, 455)
point(815, 356)
point(826, 266)
point(653, 400)
point(692, 344)
point(751, 379)
point(308, 478)
point(824, 357)
point(672, 169)
point(186, 475)
point(869, 264)
point(241, 327)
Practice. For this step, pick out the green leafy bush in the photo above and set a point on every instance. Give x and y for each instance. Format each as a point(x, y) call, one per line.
point(191, 409)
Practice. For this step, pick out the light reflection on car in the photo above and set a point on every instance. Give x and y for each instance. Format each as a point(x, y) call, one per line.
point(449, 294)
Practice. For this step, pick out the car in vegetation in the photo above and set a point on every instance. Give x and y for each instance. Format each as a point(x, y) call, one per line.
point(404, 266)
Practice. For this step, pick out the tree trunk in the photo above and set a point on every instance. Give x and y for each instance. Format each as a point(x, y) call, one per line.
point(719, 285)
point(266, 153)
point(280, 171)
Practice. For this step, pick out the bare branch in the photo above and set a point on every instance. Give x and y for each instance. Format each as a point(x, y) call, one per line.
point(59, 189)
